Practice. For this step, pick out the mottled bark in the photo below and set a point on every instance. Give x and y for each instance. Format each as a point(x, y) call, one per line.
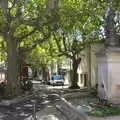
point(44, 73)
point(13, 86)
point(74, 79)
point(52, 4)
point(4, 5)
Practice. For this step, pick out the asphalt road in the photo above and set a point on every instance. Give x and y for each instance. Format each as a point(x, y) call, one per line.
point(45, 104)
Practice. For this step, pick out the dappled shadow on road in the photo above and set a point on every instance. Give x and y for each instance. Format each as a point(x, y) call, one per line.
point(26, 109)
point(44, 104)
point(49, 117)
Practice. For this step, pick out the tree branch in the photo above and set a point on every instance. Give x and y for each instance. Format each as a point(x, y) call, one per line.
point(57, 42)
point(4, 6)
point(64, 42)
point(60, 49)
point(26, 35)
point(67, 54)
point(78, 60)
point(36, 42)
point(1, 32)
point(13, 4)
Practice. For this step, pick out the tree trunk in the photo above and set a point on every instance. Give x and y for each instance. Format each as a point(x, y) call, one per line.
point(13, 86)
point(44, 73)
point(74, 79)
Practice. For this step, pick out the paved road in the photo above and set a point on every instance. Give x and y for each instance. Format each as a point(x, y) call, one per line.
point(42, 105)
point(106, 118)
point(38, 86)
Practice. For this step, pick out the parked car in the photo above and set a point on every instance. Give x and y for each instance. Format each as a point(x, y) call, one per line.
point(57, 80)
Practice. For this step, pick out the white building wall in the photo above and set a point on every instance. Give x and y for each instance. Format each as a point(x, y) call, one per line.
point(88, 64)
point(94, 49)
point(83, 68)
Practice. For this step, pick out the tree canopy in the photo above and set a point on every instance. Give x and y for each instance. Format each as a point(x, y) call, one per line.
point(70, 25)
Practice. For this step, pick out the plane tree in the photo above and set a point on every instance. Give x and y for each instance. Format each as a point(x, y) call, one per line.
point(44, 57)
point(21, 21)
point(83, 23)
point(79, 26)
